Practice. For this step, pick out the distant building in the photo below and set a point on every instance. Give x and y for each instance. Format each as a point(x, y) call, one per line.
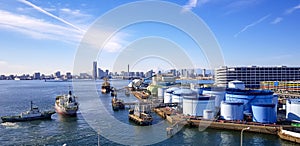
point(57, 74)
point(252, 76)
point(84, 76)
point(69, 75)
point(149, 74)
point(95, 70)
point(37, 76)
point(101, 73)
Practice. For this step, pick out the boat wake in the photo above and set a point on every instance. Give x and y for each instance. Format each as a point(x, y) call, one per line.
point(10, 125)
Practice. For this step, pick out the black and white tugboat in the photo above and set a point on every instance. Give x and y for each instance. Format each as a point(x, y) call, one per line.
point(32, 114)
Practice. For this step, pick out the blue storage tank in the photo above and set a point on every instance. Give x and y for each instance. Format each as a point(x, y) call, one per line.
point(219, 94)
point(264, 113)
point(250, 97)
point(293, 110)
point(232, 110)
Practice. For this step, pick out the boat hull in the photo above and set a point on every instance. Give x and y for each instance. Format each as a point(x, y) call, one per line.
point(66, 112)
point(44, 116)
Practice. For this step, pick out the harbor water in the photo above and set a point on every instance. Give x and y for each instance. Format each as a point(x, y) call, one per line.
point(15, 97)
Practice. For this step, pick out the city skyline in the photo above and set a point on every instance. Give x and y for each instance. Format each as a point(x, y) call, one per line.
point(43, 36)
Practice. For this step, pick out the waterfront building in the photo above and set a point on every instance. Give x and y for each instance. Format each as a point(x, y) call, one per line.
point(95, 70)
point(69, 75)
point(292, 86)
point(37, 76)
point(253, 75)
point(101, 73)
point(57, 74)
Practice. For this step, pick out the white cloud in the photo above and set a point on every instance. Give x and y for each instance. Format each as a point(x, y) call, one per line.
point(190, 5)
point(116, 43)
point(277, 20)
point(291, 10)
point(287, 12)
point(51, 15)
point(76, 17)
point(37, 28)
point(252, 24)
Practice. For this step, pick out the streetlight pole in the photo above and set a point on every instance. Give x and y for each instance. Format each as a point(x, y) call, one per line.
point(242, 134)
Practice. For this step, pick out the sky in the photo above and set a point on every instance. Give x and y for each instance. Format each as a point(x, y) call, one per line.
point(45, 35)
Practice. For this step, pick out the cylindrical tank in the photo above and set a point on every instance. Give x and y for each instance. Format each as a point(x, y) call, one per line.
point(194, 106)
point(293, 109)
point(198, 90)
point(237, 85)
point(161, 92)
point(249, 97)
point(208, 114)
point(219, 93)
point(178, 95)
point(232, 110)
point(264, 113)
point(168, 94)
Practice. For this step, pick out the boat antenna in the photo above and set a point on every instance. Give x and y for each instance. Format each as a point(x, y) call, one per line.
point(30, 105)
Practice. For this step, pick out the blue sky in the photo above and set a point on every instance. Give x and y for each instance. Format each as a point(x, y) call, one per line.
point(43, 35)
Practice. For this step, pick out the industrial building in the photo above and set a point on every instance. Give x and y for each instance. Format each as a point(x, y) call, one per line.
point(253, 75)
point(291, 86)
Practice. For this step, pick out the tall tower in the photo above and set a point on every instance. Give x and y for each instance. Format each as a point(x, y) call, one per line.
point(95, 70)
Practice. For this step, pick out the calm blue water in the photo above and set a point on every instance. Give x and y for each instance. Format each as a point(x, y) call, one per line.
point(15, 97)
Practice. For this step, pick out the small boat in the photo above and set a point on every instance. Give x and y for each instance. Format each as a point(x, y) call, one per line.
point(117, 104)
point(105, 88)
point(66, 104)
point(140, 116)
point(32, 114)
point(113, 92)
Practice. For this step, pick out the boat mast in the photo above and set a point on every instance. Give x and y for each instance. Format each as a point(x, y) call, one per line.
point(30, 105)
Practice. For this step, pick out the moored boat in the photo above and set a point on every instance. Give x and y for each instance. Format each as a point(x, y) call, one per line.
point(105, 88)
point(117, 104)
point(140, 115)
point(32, 114)
point(66, 104)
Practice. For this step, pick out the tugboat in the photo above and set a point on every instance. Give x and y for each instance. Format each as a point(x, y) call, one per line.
point(105, 88)
point(32, 114)
point(140, 115)
point(117, 104)
point(66, 104)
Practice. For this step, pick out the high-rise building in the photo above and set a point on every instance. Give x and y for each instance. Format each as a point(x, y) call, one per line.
point(252, 76)
point(37, 76)
point(57, 74)
point(69, 75)
point(95, 70)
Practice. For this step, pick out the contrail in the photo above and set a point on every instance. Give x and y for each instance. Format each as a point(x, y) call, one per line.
point(51, 15)
point(252, 24)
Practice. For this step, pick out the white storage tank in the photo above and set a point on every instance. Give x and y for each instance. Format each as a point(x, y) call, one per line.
point(194, 106)
point(177, 96)
point(161, 92)
point(218, 92)
point(168, 94)
point(232, 110)
point(208, 114)
point(293, 110)
point(236, 85)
